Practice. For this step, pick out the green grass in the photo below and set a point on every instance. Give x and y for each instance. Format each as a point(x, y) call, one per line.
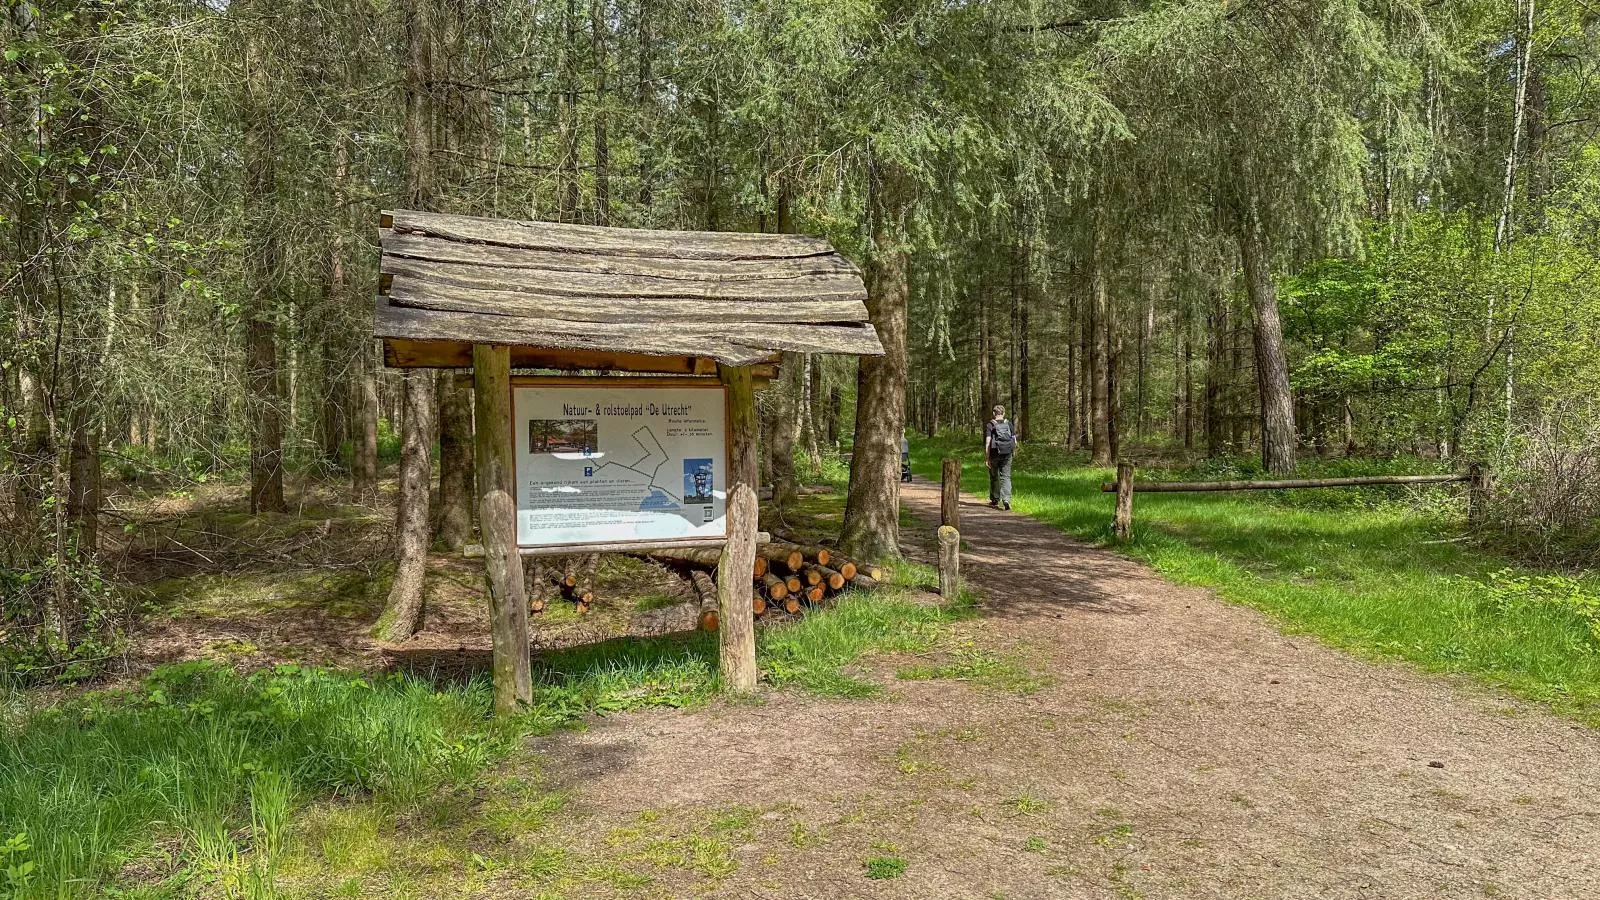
point(196, 775)
point(881, 867)
point(1382, 571)
point(209, 763)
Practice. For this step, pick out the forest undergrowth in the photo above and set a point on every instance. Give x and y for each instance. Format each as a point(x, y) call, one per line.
point(1385, 572)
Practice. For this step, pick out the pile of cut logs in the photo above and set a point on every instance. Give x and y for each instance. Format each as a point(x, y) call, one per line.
point(786, 578)
point(568, 578)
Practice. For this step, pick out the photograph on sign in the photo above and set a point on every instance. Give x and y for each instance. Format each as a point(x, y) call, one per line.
point(600, 462)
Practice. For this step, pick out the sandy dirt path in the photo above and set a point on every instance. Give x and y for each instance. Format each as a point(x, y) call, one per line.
point(1180, 747)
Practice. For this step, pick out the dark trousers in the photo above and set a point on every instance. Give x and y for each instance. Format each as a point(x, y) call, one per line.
point(999, 478)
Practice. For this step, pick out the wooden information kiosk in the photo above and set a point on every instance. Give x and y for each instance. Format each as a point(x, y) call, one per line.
point(650, 441)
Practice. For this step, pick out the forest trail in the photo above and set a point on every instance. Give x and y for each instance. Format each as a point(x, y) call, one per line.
point(1178, 746)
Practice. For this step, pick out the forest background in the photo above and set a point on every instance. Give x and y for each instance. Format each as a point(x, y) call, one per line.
point(1252, 231)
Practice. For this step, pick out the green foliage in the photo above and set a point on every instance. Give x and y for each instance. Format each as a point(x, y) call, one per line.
point(882, 867)
point(88, 632)
point(1515, 594)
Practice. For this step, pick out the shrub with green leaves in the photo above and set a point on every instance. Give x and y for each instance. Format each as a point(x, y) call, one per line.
point(1513, 593)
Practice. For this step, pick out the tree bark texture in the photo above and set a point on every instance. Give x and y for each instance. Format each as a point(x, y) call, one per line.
point(872, 510)
point(364, 452)
point(1277, 404)
point(784, 424)
point(453, 523)
point(402, 614)
point(266, 263)
point(1099, 357)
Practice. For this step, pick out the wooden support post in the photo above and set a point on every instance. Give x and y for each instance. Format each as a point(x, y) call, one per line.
point(949, 562)
point(497, 516)
point(1122, 525)
point(737, 626)
point(950, 492)
point(1478, 487)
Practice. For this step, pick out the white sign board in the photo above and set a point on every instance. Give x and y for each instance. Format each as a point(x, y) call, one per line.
point(610, 463)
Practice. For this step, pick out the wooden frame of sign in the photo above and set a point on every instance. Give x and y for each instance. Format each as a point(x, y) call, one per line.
point(457, 291)
point(613, 382)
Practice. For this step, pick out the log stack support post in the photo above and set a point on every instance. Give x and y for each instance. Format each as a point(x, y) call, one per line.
point(497, 516)
point(736, 620)
point(1122, 523)
point(950, 492)
point(949, 563)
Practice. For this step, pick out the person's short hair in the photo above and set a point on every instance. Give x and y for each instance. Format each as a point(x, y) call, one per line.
point(999, 410)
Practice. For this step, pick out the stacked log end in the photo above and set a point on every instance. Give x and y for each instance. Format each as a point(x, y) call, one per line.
point(786, 577)
point(706, 590)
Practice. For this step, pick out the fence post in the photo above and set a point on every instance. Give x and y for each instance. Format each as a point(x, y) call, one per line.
point(1478, 493)
point(949, 562)
point(950, 492)
point(1122, 525)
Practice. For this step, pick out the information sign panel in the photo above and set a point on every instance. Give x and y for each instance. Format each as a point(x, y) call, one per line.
point(609, 460)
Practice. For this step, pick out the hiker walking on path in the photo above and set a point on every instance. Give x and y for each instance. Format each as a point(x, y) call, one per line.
point(999, 444)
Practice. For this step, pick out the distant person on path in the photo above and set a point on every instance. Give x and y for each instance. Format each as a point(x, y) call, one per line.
point(999, 444)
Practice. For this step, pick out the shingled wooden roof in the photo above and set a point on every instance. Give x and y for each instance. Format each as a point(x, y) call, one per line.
point(611, 297)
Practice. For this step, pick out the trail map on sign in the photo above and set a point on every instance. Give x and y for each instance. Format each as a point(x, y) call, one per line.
point(601, 464)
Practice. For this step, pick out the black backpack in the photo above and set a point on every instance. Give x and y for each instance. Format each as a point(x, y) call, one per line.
point(1003, 441)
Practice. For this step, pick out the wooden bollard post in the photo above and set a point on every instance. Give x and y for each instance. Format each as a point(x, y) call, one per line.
point(949, 562)
point(1122, 524)
point(497, 517)
point(1478, 487)
point(950, 492)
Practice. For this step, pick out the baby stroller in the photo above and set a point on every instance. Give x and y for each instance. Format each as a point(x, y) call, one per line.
point(905, 467)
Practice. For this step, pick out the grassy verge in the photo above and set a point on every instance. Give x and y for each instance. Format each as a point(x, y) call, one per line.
point(1385, 571)
point(306, 782)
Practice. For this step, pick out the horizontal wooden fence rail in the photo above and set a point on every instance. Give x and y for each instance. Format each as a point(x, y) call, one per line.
point(1124, 487)
point(1176, 487)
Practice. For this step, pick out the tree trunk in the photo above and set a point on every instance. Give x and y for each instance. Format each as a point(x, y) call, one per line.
point(1519, 107)
point(1187, 337)
point(364, 453)
point(1216, 359)
point(987, 392)
point(452, 526)
point(872, 511)
point(1099, 358)
point(402, 615)
point(784, 425)
point(1272, 370)
point(336, 383)
point(645, 102)
point(835, 410)
point(1072, 370)
point(1024, 401)
point(567, 206)
point(83, 498)
point(602, 147)
point(808, 411)
point(266, 266)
